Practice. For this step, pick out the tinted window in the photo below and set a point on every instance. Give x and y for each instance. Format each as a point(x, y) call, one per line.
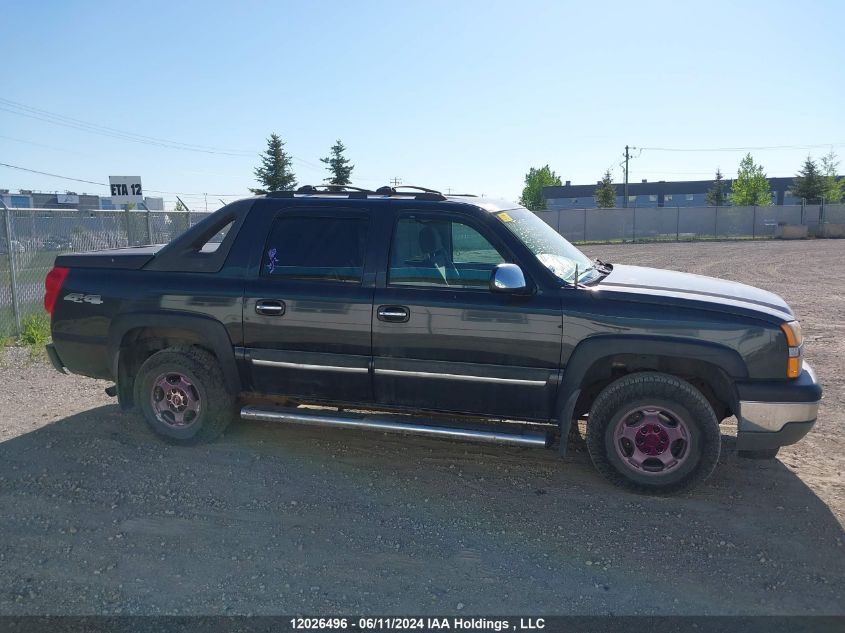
point(436, 252)
point(315, 248)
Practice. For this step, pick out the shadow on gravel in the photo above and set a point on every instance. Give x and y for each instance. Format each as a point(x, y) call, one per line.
point(98, 516)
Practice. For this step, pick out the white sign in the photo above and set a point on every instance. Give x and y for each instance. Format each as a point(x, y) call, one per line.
point(125, 189)
point(67, 198)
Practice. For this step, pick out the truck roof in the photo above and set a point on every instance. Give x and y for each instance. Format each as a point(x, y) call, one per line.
point(400, 193)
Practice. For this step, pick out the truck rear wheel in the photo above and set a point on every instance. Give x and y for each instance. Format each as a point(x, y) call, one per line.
point(654, 433)
point(183, 396)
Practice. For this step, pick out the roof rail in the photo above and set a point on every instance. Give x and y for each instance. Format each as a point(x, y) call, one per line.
point(331, 189)
point(358, 192)
point(427, 194)
point(340, 190)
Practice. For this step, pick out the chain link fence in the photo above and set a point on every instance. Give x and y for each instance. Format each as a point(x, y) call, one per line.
point(641, 224)
point(30, 239)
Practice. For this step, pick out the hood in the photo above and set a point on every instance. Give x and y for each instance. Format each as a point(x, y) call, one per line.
point(718, 293)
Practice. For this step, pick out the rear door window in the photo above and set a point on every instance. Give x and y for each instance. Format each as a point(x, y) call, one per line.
point(329, 249)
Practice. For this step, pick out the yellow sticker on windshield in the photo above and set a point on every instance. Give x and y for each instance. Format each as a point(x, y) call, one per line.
point(504, 217)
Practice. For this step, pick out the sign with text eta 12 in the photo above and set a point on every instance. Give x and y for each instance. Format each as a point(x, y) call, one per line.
point(125, 189)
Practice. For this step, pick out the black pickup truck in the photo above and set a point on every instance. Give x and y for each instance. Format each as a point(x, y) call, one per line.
point(454, 316)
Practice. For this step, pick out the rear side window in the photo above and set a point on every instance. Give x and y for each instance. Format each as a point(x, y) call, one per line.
point(317, 249)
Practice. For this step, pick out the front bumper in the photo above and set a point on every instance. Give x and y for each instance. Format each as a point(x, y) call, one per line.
point(775, 414)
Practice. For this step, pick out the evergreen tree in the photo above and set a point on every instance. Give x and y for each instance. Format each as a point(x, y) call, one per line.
point(605, 194)
point(716, 196)
point(808, 184)
point(338, 165)
point(751, 186)
point(532, 194)
point(275, 172)
point(834, 187)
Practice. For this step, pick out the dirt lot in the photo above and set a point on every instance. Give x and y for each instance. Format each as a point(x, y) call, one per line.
point(97, 516)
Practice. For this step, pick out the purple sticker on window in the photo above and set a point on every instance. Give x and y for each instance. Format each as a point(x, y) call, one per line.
point(272, 262)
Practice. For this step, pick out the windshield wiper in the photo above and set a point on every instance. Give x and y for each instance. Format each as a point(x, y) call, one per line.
point(602, 266)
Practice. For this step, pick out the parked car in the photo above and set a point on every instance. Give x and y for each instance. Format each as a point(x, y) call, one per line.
point(422, 309)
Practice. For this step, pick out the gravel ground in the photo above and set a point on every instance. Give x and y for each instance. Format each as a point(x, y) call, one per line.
point(97, 516)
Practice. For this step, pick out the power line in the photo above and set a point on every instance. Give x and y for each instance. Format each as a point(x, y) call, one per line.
point(21, 109)
point(58, 119)
point(102, 184)
point(737, 149)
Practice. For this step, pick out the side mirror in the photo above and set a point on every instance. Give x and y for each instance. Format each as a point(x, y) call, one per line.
point(508, 279)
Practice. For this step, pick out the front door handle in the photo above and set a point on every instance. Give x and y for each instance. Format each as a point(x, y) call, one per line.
point(393, 314)
point(270, 307)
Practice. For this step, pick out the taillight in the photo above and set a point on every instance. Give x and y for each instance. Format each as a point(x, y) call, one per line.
point(52, 285)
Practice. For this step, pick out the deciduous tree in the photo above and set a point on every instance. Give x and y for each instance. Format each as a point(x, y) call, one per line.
point(532, 195)
point(751, 186)
point(834, 186)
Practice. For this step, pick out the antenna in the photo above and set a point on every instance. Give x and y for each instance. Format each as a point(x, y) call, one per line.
point(395, 181)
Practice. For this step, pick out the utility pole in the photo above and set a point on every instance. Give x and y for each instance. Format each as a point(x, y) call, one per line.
point(625, 196)
point(396, 181)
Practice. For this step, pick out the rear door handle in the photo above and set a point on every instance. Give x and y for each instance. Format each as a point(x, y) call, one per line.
point(270, 307)
point(393, 314)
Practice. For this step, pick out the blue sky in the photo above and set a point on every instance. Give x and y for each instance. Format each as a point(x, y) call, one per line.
point(464, 95)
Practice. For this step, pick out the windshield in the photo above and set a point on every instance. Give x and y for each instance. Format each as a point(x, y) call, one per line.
point(549, 246)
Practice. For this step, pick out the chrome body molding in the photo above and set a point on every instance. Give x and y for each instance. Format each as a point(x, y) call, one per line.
point(307, 366)
point(393, 424)
point(429, 374)
point(773, 416)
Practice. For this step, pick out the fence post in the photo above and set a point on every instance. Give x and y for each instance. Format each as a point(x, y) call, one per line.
point(677, 224)
point(13, 275)
point(634, 226)
point(754, 224)
point(716, 223)
point(149, 224)
point(128, 223)
point(585, 224)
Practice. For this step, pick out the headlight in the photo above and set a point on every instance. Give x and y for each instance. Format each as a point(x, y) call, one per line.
point(794, 339)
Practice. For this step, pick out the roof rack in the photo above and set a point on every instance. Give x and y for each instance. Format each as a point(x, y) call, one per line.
point(427, 194)
point(359, 193)
point(331, 189)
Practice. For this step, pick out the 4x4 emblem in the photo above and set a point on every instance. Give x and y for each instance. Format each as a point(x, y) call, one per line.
point(78, 297)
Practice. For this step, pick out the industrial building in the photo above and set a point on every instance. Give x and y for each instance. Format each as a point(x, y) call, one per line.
point(27, 199)
point(661, 193)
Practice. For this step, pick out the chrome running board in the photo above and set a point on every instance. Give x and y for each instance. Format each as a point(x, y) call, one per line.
point(393, 424)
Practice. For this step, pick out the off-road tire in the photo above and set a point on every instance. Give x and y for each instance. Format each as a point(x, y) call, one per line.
point(217, 405)
point(663, 391)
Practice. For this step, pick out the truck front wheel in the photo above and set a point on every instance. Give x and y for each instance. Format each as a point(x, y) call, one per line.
point(183, 396)
point(652, 432)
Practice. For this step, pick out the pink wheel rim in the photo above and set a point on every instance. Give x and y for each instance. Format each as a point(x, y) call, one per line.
point(652, 440)
point(175, 400)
